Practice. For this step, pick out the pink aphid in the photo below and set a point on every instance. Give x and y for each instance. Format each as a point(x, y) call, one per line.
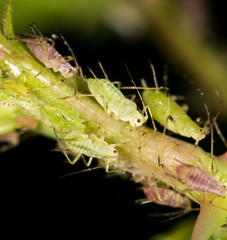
point(167, 197)
point(198, 179)
point(50, 57)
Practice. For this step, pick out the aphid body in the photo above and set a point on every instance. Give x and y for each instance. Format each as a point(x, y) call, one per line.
point(15, 88)
point(62, 118)
point(113, 101)
point(167, 197)
point(91, 146)
point(168, 113)
point(50, 57)
point(198, 179)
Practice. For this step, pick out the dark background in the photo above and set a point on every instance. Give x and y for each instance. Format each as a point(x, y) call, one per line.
point(36, 199)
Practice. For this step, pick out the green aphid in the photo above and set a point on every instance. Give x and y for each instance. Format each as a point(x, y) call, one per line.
point(168, 113)
point(15, 89)
point(113, 101)
point(62, 118)
point(90, 145)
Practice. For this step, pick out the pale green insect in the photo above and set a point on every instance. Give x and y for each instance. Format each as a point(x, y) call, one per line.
point(62, 118)
point(15, 88)
point(168, 113)
point(113, 101)
point(90, 145)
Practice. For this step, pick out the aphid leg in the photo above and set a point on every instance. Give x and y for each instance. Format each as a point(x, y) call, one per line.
point(211, 125)
point(151, 116)
point(220, 134)
point(89, 162)
point(219, 94)
point(61, 147)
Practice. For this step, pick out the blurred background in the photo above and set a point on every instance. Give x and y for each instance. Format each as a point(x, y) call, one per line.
point(184, 40)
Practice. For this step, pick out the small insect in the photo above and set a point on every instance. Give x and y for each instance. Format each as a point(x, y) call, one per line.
point(168, 113)
point(48, 55)
point(62, 118)
point(167, 197)
point(15, 88)
point(113, 101)
point(198, 179)
point(91, 146)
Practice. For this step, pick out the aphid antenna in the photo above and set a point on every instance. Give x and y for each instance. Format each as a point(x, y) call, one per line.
point(54, 36)
point(212, 122)
point(154, 74)
point(78, 68)
point(146, 109)
point(93, 74)
point(81, 171)
point(103, 71)
point(141, 99)
point(35, 30)
point(178, 214)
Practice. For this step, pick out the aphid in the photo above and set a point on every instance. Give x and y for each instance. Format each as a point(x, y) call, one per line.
point(198, 179)
point(15, 88)
point(48, 55)
point(113, 101)
point(91, 146)
point(167, 197)
point(168, 113)
point(62, 118)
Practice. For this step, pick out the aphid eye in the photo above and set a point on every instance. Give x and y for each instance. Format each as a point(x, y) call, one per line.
point(138, 120)
point(115, 151)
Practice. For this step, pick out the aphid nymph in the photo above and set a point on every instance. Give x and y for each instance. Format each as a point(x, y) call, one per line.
point(198, 179)
point(169, 114)
point(48, 55)
point(113, 101)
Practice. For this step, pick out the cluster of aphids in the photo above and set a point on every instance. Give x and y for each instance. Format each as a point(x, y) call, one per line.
point(161, 107)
